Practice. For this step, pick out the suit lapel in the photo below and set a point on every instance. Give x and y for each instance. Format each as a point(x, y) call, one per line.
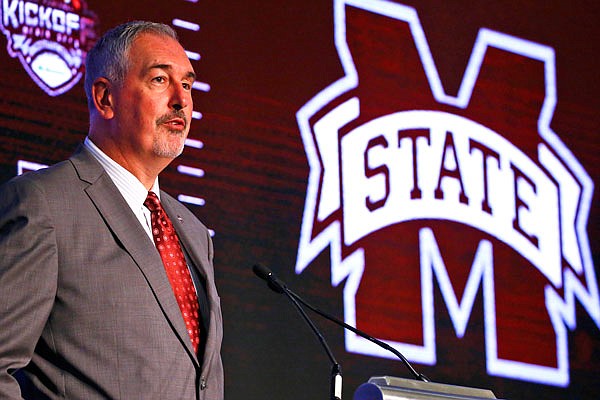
point(123, 223)
point(198, 254)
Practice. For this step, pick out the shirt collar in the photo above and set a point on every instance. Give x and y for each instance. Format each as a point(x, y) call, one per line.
point(131, 188)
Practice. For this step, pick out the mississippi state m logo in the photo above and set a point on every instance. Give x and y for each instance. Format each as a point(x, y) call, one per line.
point(417, 192)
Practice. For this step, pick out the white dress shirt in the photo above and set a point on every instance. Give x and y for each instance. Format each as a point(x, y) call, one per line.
point(130, 187)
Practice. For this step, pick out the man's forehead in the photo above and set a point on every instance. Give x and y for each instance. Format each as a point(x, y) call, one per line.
point(155, 51)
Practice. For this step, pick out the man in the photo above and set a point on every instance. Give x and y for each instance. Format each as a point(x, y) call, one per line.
point(91, 304)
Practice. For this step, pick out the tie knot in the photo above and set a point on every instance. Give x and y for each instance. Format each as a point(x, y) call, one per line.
point(152, 203)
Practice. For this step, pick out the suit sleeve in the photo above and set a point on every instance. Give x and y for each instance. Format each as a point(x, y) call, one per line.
point(28, 276)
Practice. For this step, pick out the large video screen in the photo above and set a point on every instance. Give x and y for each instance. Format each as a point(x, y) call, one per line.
point(425, 171)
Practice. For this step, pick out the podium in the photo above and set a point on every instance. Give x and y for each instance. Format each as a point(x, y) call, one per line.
point(392, 388)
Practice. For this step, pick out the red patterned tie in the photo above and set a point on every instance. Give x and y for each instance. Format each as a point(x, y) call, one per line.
point(167, 243)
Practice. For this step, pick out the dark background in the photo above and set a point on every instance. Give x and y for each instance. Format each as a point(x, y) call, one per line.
point(264, 60)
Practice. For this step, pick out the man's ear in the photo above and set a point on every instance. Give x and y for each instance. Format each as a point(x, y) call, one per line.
point(102, 97)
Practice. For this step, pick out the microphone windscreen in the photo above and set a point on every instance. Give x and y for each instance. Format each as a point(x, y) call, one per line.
point(262, 272)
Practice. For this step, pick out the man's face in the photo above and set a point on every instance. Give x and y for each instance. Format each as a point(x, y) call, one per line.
point(153, 106)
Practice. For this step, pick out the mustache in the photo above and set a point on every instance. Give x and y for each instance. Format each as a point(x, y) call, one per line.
point(173, 114)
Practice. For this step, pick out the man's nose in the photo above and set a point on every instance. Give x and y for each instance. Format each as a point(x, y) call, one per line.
point(180, 98)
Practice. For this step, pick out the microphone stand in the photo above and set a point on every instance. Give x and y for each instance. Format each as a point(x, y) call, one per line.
point(336, 374)
point(386, 346)
point(336, 369)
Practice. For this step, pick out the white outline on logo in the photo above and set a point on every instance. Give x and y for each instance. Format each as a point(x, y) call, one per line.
point(573, 220)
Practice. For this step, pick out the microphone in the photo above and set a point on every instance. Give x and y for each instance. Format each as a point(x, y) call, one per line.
point(278, 286)
point(266, 274)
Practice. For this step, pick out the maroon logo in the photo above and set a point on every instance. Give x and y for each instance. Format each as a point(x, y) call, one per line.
point(412, 189)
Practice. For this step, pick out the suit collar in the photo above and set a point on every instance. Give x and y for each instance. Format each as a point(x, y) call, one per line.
point(88, 168)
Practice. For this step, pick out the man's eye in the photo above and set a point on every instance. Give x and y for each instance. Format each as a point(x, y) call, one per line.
point(187, 86)
point(159, 79)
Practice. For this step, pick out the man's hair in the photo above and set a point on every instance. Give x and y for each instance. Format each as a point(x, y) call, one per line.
point(109, 56)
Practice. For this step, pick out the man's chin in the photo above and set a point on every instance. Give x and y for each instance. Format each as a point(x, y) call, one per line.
point(169, 150)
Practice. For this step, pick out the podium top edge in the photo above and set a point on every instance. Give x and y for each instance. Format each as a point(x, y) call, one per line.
point(391, 382)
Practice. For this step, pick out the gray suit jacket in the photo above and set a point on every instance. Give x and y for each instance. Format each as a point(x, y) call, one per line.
point(85, 304)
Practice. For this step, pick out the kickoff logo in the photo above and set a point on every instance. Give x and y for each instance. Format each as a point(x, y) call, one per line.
point(51, 39)
point(408, 184)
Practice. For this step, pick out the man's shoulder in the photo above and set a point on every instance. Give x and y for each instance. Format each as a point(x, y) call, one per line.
point(39, 178)
point(57, 175)
point(35, 191)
